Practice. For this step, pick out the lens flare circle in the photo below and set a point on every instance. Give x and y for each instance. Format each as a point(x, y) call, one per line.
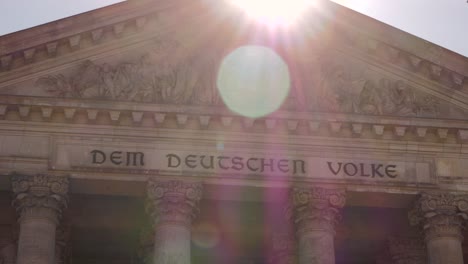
point(253, 81)
point(273, 12)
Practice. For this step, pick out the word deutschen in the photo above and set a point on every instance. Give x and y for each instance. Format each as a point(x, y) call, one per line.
point(237, 163)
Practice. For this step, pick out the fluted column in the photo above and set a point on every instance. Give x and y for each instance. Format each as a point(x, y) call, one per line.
point(173, 205)
point(316, 211)
point(405, 250)
point(39, 201)
point(442, 217)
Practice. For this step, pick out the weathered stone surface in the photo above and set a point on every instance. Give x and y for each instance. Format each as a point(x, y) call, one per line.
point(315, 212)
point(39, 200)
point(407, 250)
point(442, 217)
point(172, 206)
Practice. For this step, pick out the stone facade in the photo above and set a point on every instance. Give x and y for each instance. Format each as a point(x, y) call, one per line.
point(116, 146)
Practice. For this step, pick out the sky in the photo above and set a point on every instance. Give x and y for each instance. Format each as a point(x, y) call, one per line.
point(443, 22)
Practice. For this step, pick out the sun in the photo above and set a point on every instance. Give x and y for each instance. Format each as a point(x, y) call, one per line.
point(274, 12)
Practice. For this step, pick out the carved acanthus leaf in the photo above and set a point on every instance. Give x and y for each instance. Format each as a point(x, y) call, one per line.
point(173, 201)
point(441, 214)
point(316, 207)
point(39, 189)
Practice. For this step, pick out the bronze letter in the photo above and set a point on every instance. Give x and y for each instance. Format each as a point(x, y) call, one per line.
point(390, 171)
point(331, 168)
point(169, 159)
point(95, 157)
point(248, 164)
point(346, 166)
point(283, 165)
point(375, 170)
point(133, 156)
point(220, 163)
point(115, 157)
point(302, 165)
point(237, 163)
point(361, 165)
point(190, 161)
point(264, 164)
point(210, 166)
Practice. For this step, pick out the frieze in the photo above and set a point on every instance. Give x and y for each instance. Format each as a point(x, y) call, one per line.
point(236, 163)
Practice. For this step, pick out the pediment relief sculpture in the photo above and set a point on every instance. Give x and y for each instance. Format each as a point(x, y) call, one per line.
point(156, 77)
point(338, 91)
point(165, 76)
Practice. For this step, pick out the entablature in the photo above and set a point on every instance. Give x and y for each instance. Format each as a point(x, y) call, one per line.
point(217, 118)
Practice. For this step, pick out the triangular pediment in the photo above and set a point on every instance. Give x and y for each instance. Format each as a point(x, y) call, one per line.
point(338, 70)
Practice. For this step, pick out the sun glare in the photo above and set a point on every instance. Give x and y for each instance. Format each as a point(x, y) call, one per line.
point(274, 12)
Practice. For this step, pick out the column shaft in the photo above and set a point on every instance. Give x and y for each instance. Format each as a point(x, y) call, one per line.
point(316, 247)
point(445, 251)
point(172, 245)
point(36, 242)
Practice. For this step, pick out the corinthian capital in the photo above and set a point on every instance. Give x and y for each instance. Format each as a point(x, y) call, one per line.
point(39, 191)
point(316, 207)
point(441, 214)
point(173, 202)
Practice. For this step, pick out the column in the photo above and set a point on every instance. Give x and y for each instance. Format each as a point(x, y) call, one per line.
point(441, 216)
point(407, 250)
point(173, 205)
point(316, 211)
point(39, 201)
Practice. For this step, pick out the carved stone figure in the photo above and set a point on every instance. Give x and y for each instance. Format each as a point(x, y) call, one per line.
point(338, 91)
point(159, 76)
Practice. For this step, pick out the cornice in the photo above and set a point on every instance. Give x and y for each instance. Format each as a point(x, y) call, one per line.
point(65, 36)
point(376, 32)
point(95, 113)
